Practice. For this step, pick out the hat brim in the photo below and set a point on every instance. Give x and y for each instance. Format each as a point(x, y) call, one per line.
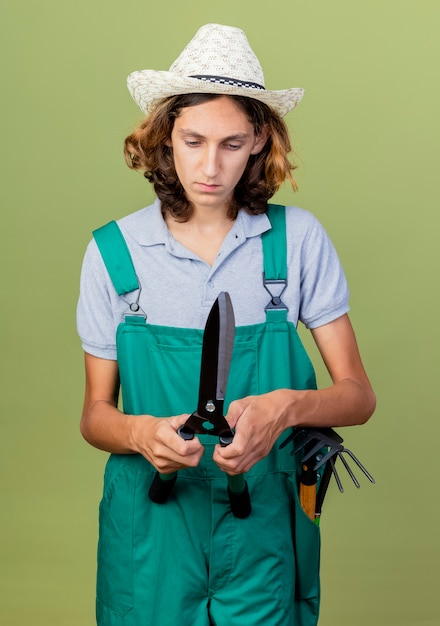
point(148, 87)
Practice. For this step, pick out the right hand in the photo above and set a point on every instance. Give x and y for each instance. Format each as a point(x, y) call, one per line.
point(106, 428)
point(156, 438)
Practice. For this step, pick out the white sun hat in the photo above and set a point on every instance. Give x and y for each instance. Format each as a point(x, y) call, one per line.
point(217, 60)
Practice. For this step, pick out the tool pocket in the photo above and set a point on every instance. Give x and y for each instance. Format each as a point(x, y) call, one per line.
point(115, 578)
point(307, 543)
point(159, 368)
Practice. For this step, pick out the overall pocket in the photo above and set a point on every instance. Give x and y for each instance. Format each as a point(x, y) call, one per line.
point(159, 369)
point(115, 577)
point(307, 545)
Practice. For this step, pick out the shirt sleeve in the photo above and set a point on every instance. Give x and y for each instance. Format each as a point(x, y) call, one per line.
point(96, 320)
point(324, 289)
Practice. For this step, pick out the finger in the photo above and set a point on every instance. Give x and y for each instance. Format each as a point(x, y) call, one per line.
point(234, 466)
point(172, 445)
point(234, 451)
point(230, 457)
point(169, 459)
point(186, 448)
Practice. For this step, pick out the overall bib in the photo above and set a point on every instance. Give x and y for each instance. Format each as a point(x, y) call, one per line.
point(190, 562)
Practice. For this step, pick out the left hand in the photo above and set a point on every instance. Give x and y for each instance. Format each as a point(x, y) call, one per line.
point(258, 420)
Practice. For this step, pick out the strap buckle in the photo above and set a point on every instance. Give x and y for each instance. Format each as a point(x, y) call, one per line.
point(134, 309)
point(275, 302)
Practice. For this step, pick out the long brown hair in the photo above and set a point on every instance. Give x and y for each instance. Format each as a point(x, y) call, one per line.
point(146, 150)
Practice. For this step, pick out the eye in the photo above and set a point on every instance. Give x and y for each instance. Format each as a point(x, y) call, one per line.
point(192, 144)
point(233, 146)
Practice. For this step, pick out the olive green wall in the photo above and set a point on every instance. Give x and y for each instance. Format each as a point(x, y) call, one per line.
point(366, 138)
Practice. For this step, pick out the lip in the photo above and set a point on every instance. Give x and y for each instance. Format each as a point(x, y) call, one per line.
point(207, 188)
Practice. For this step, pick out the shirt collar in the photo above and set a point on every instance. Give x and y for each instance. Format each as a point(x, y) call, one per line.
point(151, 228)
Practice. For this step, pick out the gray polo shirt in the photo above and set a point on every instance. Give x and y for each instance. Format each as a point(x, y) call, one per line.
point(178, 288)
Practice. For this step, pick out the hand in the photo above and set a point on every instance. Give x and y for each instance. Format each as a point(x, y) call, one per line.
point(258, 421)
point(157, 440)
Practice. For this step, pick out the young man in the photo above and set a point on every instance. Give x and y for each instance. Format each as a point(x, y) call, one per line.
point(215, 148)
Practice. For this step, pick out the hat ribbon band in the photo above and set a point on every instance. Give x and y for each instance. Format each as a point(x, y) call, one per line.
point(222, 80)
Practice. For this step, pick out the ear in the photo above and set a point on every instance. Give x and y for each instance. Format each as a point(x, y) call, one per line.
point(260, 141)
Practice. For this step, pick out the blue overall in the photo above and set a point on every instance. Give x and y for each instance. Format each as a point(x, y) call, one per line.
point(190, 562)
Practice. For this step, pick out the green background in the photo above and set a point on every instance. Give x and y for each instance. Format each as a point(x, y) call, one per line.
point(367, 142)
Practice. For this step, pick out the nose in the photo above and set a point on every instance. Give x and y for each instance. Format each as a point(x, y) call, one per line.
point(211, 162)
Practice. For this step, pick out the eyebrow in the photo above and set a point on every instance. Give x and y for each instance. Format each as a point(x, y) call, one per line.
point(186, 132)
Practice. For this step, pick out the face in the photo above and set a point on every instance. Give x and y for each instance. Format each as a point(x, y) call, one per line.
point(211, 144)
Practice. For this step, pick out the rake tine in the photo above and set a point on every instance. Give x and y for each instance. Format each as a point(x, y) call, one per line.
point(302, 445)
point(312, 452)
point(336, 475)
point(331, 452)
point(350, 473)
point(321, 442)
point(325, 436)
point(328, 435)
point(293, 435)
point(360, 466)
point(336, 437)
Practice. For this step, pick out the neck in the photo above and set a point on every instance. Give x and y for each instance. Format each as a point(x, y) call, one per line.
point(203, 233)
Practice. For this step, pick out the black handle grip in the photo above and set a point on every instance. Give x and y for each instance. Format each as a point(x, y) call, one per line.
point(239, 500)
point(238, 491)
point(323, 486)
point(161, 487)
point(163, 484)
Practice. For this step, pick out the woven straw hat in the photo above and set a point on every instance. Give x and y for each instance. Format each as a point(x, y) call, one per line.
point(217, 60)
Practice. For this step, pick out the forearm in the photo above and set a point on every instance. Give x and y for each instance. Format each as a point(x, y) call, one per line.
point(106, 428)
point(345, 403)
point(156, 439)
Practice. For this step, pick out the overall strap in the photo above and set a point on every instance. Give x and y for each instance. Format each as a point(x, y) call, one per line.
point(275, 262)
point(116, 257)
point(275, 244)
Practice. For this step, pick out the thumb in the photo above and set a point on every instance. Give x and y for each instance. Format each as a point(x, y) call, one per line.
point(235, 410)
point(178, 420)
